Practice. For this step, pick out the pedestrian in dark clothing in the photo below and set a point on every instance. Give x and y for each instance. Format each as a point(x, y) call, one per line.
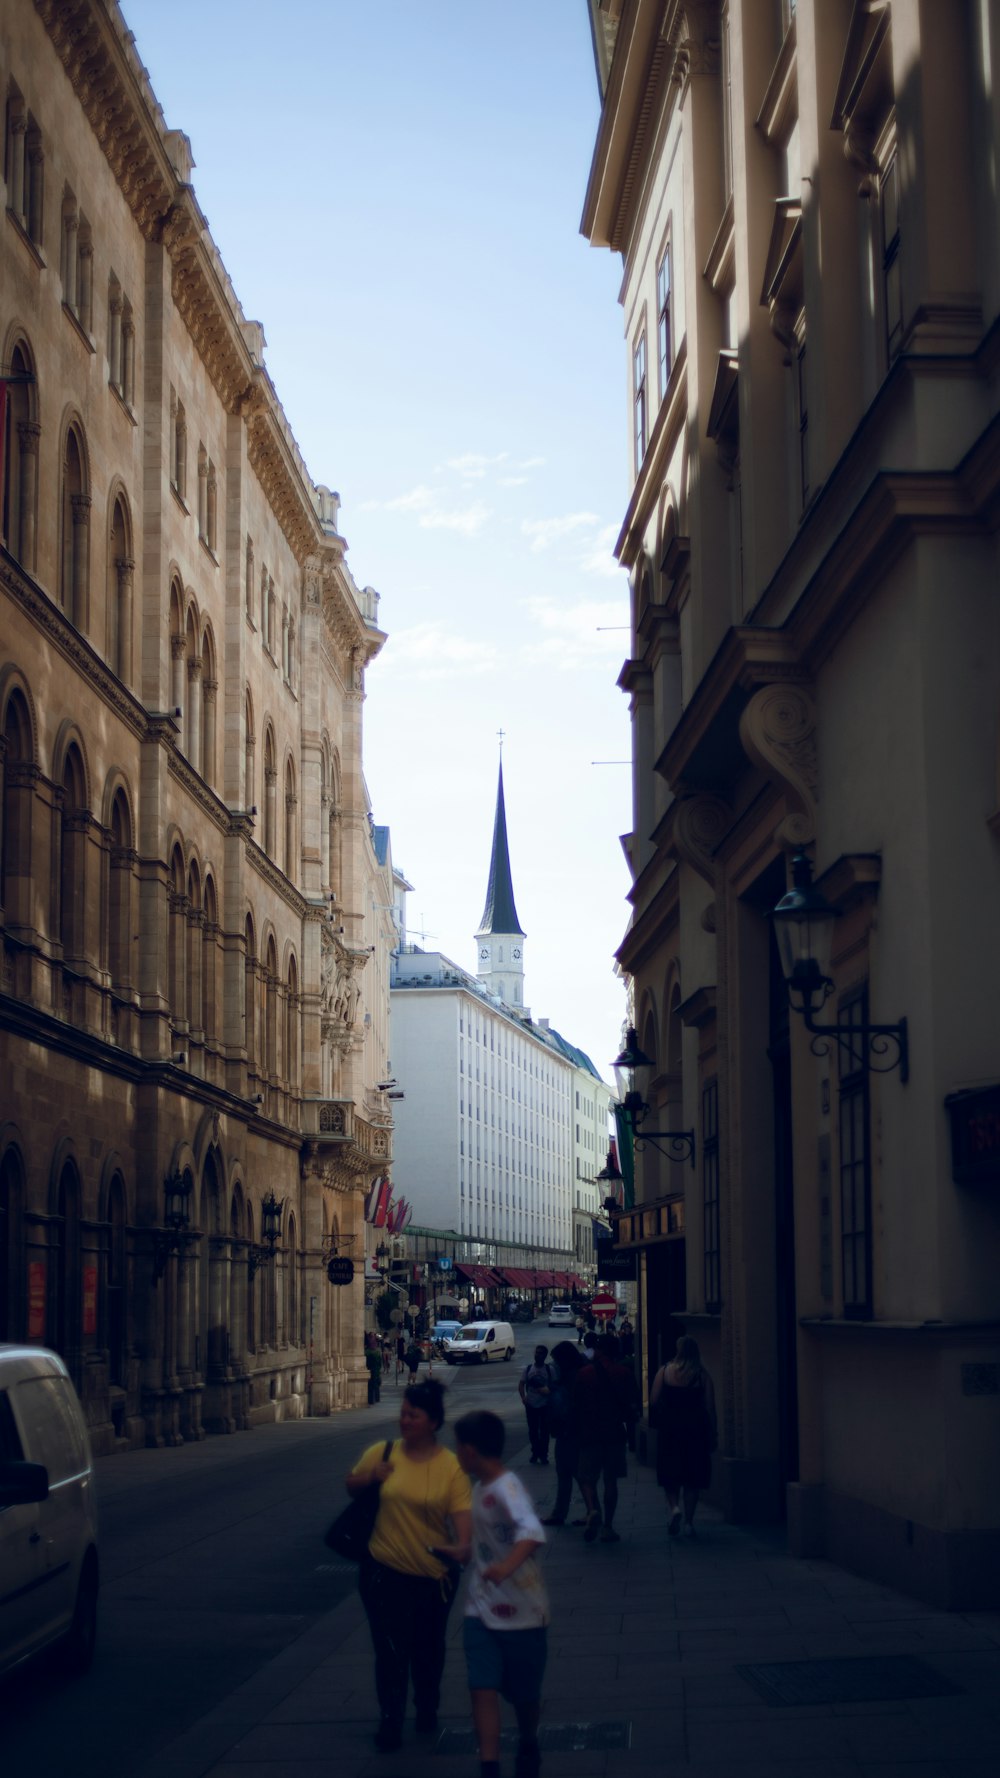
point(400, 1353)
point(412, 1359)
point(604, 1406)
point(567, 1361)
point(682, 1409)
point(533, 1388)
point(626, 1337)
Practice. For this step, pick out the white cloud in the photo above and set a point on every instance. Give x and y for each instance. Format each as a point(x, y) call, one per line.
point(472, 465)
point(432, 514)
point(572, 636)
point(598, 557)
point(430, 651)
point(545, 532)
point(512, 481)
point(530, 463)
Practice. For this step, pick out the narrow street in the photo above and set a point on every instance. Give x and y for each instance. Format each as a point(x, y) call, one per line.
point(212, 1564)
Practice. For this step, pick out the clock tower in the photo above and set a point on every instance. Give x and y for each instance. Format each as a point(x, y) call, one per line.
point(500, 938)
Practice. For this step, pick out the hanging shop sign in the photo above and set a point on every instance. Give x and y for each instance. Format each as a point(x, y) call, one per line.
point(340, 1270)
point(975, 1136)
point(616, 1264)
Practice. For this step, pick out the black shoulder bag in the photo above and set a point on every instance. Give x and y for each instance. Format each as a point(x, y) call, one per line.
point(351, 1531)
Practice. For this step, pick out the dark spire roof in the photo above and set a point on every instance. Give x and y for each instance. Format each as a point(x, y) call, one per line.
point(500, 914)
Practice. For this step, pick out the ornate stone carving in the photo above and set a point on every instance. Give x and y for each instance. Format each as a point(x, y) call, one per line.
point(699, 824)
point(340, 990)
point(778, 733)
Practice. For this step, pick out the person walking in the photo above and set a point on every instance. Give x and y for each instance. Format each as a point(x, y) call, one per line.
point(604, 1408)
point(534, 1387)
point(506, 1610)
point(424, 1500)
point(412, 1359)
point(626, 1339)
point(566, 1361)
point(682, 1410)
point(400, 1352)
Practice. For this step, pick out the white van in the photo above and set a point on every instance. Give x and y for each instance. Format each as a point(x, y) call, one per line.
point(48, 1519)
point(479, 1342)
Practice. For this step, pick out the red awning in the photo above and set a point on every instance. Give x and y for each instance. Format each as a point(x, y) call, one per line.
point(515, 1276)
point(481, 1276)
point(562, 1279)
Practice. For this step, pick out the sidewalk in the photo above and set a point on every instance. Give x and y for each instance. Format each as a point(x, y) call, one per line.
point(647, 1644)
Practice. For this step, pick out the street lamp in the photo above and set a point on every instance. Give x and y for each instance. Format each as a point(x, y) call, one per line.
point(637, 1109)
point(262, 1253)
point(611, 1178)
point(168, 1240)
point(803, 929)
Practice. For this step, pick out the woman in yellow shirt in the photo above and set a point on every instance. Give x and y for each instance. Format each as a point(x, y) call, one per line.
point(406, 1592)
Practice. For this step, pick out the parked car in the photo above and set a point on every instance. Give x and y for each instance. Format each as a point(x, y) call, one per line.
point(520, 1312)
point(481, 1341)
point(562, 1315)
point(49, 1573)
point(445, 1330)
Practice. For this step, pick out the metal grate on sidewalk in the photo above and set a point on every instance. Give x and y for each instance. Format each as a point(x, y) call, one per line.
point(870, 1679)
point(553, 1737)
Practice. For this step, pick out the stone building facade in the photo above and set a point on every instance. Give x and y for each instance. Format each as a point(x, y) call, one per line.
point(191, 1025)
point(803, 199)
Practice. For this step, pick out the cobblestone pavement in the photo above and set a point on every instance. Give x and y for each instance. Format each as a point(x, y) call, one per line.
point(649, 1644)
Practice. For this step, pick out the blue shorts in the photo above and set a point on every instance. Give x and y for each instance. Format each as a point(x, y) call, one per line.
point(511, 1662)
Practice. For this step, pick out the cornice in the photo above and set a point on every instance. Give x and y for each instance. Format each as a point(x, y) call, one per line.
point(268, 871)
point(745, 659)
point(108, 82)
point(196, 788)
point(282, 478)
point(667, 427)
point(639, 78)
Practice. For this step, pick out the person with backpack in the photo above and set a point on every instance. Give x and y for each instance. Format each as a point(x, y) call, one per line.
point(566, 1362)
point(604, 1404)
point(534, 1388)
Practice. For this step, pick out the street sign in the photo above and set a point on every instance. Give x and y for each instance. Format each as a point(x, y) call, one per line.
point(395, 1316)
point(340, 1271)
point(605, 1307)
point(444, 1263)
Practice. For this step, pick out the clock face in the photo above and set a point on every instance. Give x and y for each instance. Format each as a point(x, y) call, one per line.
point(484, 954)
point(516, 952)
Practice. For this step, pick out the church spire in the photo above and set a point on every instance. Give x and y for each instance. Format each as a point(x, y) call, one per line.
point(500, 939)
point(500, 914)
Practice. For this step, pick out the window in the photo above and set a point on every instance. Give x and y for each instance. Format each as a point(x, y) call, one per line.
point(178, 447)
point(889, 218)
point(639, 399)
point(121, 343)
point(664, 321)
point(208, 500)
point(855, 1163)
point(120, 577)
point(75, 552)
point(248, 591)
point(77, 263)
point(710, 1188)
point(20, 436)
point(25, 167)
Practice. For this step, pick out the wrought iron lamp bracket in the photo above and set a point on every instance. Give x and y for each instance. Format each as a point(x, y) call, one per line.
point(879, 1048)
point(682, 1143)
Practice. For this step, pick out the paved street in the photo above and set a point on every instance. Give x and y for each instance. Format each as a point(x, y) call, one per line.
point(231, 1648)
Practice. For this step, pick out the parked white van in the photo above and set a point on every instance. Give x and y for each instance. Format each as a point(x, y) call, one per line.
point(48, 1519)
point(479, 1342)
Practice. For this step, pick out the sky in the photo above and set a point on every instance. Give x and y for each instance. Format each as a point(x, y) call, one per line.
point(396, 192)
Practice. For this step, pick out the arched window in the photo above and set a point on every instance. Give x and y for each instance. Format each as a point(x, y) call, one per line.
point(20, 458)
point(17, 769)
point(11, 1238)
point(291, 806)
point(210, 941)
point(270, 794)
point(250, 994)
point(249, 751)
point(271, 1012)
point(74, 585)
point(193, 948)
point(248, 580)
point(176, 935)
point(291, 1042)
point(120, 578)
point(178, 678)
point(335, 827)
point(73, 823)
point(192, 703)
point(209, 692)
point(118, 942)
point(116, 1290)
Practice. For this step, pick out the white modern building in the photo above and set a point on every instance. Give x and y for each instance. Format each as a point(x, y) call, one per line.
point(503, 1126)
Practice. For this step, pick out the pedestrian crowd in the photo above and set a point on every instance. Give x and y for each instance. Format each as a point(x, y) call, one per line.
point(439, 1510)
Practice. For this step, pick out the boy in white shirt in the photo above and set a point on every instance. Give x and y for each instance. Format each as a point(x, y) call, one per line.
point(506, 1608)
